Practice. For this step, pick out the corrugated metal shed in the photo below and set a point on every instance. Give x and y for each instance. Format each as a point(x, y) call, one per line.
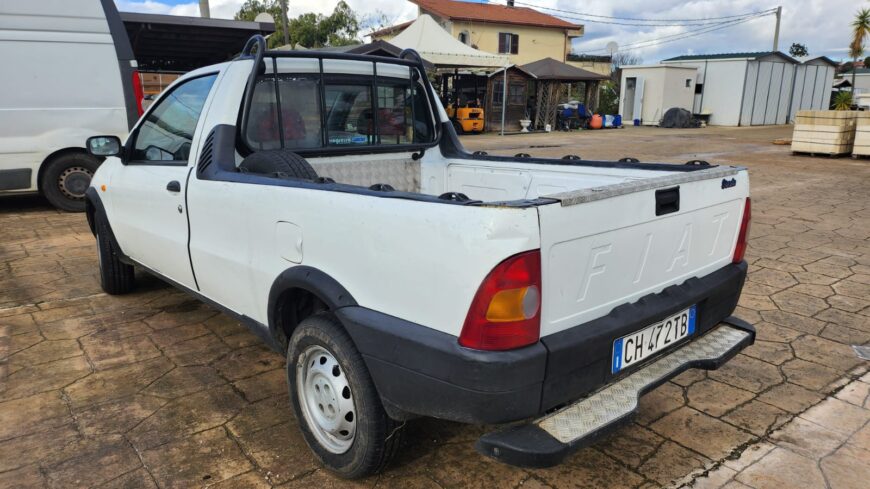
point(757, 88)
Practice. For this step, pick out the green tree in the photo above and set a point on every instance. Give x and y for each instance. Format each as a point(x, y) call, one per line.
point(309, 30)
point(860, 33)
point(251, 8)
point(798, 50)
point(374, 22)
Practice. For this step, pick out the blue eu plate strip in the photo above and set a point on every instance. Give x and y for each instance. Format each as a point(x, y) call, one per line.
point(617, 356)
point(692, 315)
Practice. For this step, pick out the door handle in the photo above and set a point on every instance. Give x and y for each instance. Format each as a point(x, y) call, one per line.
point(173, 186)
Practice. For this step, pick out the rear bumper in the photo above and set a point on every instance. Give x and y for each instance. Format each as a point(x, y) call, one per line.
point(421, 371)
point(545, 442)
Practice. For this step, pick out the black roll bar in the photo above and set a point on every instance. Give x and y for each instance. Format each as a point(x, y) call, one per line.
point(408, 57)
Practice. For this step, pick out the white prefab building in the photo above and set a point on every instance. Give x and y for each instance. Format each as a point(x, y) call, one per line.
point(862, 80)
point(812, 85)
point(753, 89)
point(648, 91)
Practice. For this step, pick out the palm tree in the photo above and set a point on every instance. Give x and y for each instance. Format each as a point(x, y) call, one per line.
point(860, 32)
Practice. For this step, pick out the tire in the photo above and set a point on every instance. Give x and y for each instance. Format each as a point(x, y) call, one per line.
point(458, 128)
point(374, 438)
point(116, 277)
point(65, 179)
point(279, 161)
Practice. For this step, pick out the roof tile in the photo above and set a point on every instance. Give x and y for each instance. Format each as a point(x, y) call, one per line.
point(492, 13)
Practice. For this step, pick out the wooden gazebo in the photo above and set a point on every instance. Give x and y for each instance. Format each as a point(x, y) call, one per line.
point(550, 77)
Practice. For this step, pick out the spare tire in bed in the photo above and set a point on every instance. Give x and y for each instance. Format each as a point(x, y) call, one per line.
point(278, 161)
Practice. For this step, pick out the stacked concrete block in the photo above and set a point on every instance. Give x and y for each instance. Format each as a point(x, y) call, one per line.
point(862, 135)
point(830, 132)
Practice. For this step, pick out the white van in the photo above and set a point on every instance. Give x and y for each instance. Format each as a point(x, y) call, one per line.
point(68, 73)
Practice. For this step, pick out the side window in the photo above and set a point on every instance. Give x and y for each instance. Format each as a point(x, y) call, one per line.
point(166, 133)
point(299, 125)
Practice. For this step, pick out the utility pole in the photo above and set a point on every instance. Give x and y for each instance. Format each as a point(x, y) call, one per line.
point(204, 11)
point(776, 32)
point(284, 22)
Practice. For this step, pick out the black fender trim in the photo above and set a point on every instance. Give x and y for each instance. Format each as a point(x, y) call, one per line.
point(310, 279)
point(92, 200)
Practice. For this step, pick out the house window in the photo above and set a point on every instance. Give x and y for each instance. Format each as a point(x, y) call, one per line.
point(688, 83)
point(508, 43)
point(464, 37)
point(516, 94)
point(497, 93)
point(699, 88)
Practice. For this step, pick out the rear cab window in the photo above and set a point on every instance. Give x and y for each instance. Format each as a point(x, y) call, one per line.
point(348, 106)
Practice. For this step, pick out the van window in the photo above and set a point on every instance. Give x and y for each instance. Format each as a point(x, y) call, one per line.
point(166, 134)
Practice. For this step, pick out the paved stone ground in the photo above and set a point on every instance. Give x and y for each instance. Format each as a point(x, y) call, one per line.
point(154, 389)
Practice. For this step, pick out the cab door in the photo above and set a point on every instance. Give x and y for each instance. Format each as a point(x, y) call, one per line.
point(148, 193)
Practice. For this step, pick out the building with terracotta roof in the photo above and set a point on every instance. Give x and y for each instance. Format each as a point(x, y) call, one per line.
point(525, 34)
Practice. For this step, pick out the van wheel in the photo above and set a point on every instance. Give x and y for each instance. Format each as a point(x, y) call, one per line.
point(335, 401)
point(116, 277)
point(66, 178)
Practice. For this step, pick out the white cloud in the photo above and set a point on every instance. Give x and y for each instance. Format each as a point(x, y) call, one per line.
point(822, 25)
point(396, 10)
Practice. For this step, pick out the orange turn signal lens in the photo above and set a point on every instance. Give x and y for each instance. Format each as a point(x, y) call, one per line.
point(514, 305)
point(103, 187)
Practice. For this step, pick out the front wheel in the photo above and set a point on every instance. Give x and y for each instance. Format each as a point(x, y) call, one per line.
point(336, 402)
point(116, 277)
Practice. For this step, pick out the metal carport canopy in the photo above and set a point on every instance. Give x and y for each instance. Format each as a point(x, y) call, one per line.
point(176, 43)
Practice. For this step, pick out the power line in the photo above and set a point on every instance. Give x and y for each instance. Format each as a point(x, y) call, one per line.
point(679, 36)
point(642, 21)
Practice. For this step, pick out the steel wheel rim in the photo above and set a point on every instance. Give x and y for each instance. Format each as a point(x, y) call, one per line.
point(326, 399)
point(74, 181)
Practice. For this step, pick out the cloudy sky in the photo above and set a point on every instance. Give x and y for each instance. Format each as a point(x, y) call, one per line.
point(822, 25)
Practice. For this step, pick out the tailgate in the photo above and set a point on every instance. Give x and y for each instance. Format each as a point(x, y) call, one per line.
point(604, 247)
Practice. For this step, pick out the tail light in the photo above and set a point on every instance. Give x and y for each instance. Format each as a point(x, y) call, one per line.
point(740, 249)
point(506, 311)
point(138, 92)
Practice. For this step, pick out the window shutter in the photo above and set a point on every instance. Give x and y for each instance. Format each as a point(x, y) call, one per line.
point(502, 44)
point(515, 43)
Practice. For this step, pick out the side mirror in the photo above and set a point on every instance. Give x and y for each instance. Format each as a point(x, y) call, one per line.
point(104, 146)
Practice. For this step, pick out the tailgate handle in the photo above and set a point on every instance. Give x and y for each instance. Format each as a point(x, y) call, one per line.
point(667, 200)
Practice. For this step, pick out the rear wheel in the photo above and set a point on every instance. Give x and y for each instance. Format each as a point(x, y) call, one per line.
point(116, 277)
point(66, 178)
point(336, 402)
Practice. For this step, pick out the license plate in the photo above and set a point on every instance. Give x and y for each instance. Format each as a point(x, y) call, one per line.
point(635, 347)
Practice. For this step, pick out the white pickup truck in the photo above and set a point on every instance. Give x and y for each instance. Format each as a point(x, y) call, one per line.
point(324, 200)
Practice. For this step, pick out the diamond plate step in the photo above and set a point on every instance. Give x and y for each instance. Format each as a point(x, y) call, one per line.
point(545, 441)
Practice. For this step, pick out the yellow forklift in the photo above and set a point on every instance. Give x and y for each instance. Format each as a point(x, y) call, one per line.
point(466, 119)
point(463, 102)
